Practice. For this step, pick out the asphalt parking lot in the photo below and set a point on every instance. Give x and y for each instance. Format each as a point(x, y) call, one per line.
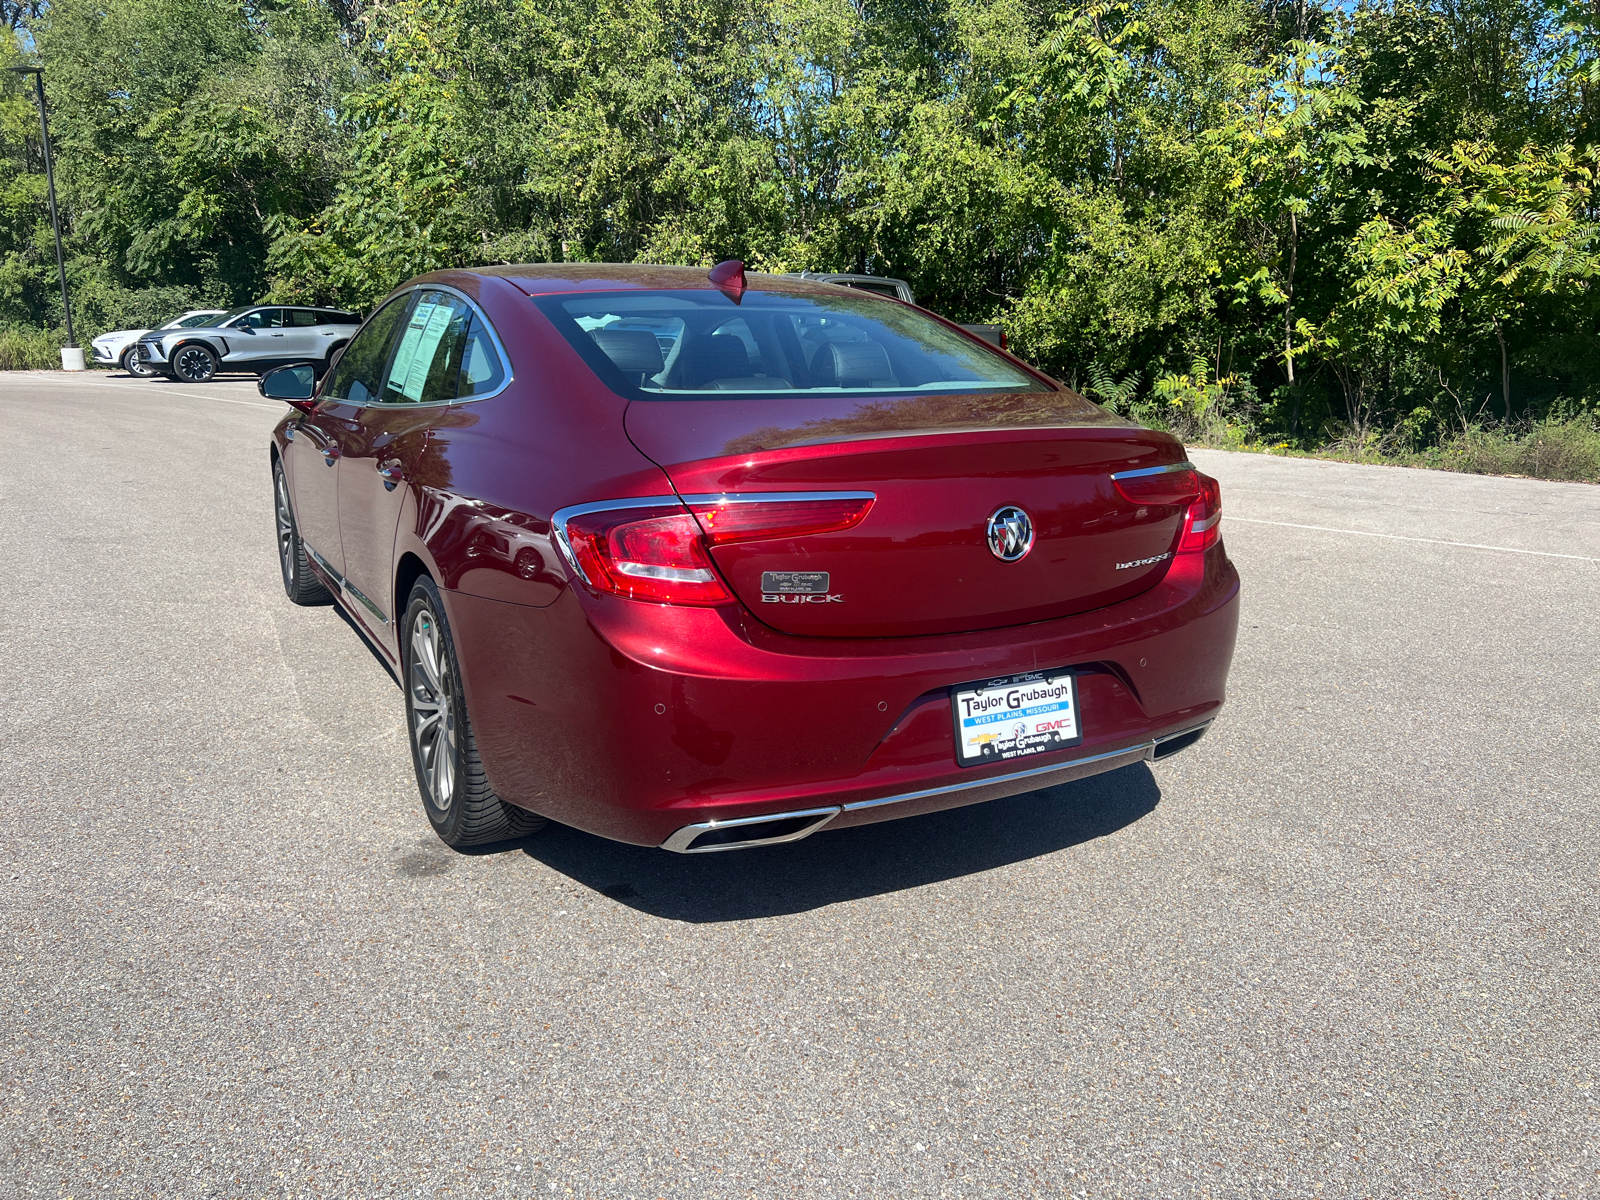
point(1346, 946)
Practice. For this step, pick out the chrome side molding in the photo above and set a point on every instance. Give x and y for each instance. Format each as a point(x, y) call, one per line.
point(345, 587)
point(802, 823)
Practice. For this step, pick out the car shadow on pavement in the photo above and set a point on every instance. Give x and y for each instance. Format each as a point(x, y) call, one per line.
point(849, 864)
point(366, 641)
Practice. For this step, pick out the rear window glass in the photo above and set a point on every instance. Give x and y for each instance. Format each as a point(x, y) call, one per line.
point(669, 345)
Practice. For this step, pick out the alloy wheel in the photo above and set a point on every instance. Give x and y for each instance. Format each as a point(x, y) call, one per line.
point(433, 725)
point(194, 364)
point(285, 529)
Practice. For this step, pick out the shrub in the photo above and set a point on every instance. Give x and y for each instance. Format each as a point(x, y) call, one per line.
point(1550, 450)
point(31, 349)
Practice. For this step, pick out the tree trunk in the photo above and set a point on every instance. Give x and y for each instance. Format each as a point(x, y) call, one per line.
point(1505, 370)
point(1288, 307)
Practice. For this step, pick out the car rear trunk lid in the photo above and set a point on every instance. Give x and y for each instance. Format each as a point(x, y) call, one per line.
point(940, 469)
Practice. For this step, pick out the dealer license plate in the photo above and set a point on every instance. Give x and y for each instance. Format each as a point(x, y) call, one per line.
point(1012, 718)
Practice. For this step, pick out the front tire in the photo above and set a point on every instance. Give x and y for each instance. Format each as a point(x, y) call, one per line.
point(194, 363)
point(455, 791)
point(132, 365)
point(299, 584)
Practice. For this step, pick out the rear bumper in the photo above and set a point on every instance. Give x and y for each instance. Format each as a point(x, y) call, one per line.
point(637, 722)
point(741, 833)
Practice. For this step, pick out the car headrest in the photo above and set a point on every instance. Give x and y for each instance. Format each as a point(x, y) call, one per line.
point(632, 351)
point(860, 360)
point(720, 356)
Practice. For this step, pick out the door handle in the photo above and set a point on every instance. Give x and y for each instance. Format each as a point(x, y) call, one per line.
point(392, 474)
point(277, 335)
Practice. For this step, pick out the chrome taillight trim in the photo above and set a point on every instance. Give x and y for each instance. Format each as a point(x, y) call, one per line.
point(559, 519)
point(1207, 524)
point(771, 497)
point(681, 840)
point(1142, 472)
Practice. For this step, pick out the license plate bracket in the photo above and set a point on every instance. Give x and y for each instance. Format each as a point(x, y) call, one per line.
point(1016, 716)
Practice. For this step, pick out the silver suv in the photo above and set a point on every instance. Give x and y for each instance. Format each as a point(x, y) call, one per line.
point(253, 338)
point(896, 289)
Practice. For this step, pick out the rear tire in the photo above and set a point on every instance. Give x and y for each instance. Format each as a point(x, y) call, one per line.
point(299, 584)
point(461, 807)
point(194, 363)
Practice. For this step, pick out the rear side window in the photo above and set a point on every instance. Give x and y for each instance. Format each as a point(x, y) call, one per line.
point(359, 373)
point(482, 370)
point(675, 344)
point(337, 318)
point(302, 318)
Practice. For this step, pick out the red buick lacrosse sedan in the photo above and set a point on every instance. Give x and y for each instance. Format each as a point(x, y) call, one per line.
point(712, 561)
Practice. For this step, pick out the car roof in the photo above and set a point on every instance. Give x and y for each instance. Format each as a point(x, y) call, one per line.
point(280, 304)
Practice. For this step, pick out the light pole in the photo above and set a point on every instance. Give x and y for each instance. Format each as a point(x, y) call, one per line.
point(71, 354)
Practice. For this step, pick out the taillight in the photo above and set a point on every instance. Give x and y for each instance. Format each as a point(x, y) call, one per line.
point(1202, 524)
point(1176, 484)
point(1179, 483)
point(727, 519)
point(653, 554)
point(658, 551)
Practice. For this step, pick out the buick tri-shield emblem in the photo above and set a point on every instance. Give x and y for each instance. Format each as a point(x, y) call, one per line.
point(1010, 533)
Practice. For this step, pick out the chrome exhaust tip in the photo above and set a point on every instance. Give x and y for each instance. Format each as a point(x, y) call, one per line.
point(744, 833)
point(1165, 747)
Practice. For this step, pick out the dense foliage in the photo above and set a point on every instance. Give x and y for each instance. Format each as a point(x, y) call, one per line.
point(1352, 220)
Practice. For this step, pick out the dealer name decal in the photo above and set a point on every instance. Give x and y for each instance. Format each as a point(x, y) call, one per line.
point(797, 587)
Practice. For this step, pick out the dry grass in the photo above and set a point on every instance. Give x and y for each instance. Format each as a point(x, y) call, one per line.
point(31, 349)
point(1553, 450)
point(1564, 450)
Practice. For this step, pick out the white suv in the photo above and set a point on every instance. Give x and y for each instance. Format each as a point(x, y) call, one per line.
point(253, 338)
point(115, 349)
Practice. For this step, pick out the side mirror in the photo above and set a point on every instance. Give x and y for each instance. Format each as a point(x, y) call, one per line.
point(293, 384)
point(250, 329)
